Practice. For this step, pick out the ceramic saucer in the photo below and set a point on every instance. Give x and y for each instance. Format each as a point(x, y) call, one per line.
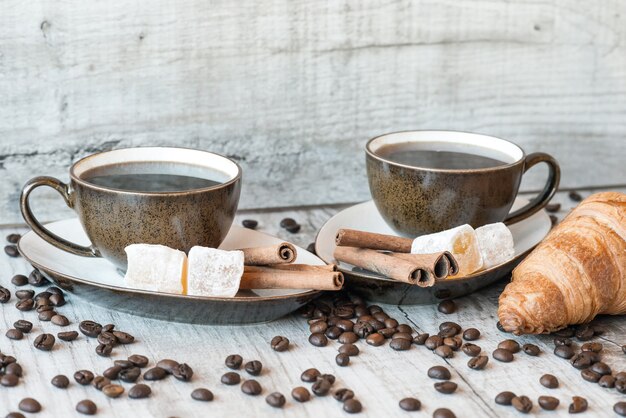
point(97, 281)
point(365, 217)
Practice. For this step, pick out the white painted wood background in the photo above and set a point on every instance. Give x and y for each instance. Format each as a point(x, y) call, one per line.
point(379, 376)
point(292, 89)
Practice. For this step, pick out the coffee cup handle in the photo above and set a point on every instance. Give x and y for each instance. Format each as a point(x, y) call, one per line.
point(43, 232)
point(542, 199)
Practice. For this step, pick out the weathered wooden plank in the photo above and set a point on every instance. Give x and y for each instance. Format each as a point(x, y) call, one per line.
point(379, 376)
point(292, 89)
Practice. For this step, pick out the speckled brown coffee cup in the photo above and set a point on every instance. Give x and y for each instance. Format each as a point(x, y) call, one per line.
point(418, 200)
point(114, 219)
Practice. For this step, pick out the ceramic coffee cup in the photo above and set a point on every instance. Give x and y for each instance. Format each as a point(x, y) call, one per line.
point(114, 218)
point(420, 200)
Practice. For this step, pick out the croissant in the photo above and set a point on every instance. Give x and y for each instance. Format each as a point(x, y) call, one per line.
point(577, 272)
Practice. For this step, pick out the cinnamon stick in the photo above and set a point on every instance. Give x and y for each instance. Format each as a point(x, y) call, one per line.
point(295, 267)
point(385, 264)
point(274, 254)
point(437, 266)
point(278, 278)
point(373, 241)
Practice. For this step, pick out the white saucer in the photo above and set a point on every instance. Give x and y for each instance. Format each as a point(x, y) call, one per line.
point(98, 281)
point(365, 217)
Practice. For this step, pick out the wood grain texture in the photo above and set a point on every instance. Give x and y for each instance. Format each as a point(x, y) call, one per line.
point(293, 89)
point(379, 376)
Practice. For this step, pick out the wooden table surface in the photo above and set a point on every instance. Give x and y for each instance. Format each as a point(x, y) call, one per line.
point(379, 376)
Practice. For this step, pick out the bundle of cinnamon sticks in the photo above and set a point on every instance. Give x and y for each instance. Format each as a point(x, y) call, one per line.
point(391, 256)
point(272, 268)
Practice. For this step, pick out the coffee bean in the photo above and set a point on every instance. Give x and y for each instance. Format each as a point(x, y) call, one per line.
point(444, 351)
point(139, 391)
point(352, 406)
point(13, 368)
point(439, 372)
point(155, 373)
point(564, 351)
point(279, 343)
point(348, 337)
point(402, 336)
point(90, 328)
point(183, 372)
point(251, 387)
point(293, 228)
point(510, 345)
point(321, 387)
point(300, 394)
point(25, 305)
point(14, 334)
point(60, 320)
point(25, 294)
point(43, 297)
point(549, 381)
point(100, 381)
point(286, 222)
point(333, 332)
point(595, 347)
point(123, 364)
point(60, 381)
point(575, 196)
point(113, 390)
point(254, 367)
point(168, 365)
point(68, 335)
point(343, 394)
point(578, 405)
point(553, 207)
point(138, 360)
point(11, 251)
point(620, 375)
point(342, 360)
point(9, 380)
point(400, 344)
point(590, 376)
point(318, 327)
point(410, 404)
point(129, 375)
point(502, 355)
point(345, 313)
point(433, 342)
point(607, 381)
point(83, 377)
point(478, 362)
point(624, 348)
point(44, 342)
point(311, 248)
point(46, 315)
point(349, 349)
point(449, 329)
point(601, 368)
point(5, 295)
point(447, 307)
point(505, 398)
point(318, 339)
point(123, 337)
point(471, 349)
point(446, 387)
point(549, 403)
point(276, 399)
point(57, 300)
point(250, 223)
point(404, 328)
point(29, 405)
point(233, 361)
point(112, 373)
point(13, 238)
point(620, 385)
point(19, 280)
point(620, 409)
point(522, 403)
point(500, 327)
point(6, 360)
point(106, 337)
point(86, 407)
point(420, 339)
point(582, 360)
point(202, 394)
point(565, 332)
point(443, 413)
point(531, 349)
point(108, 328)
point(310, 375)
point(104, 350)
point(471, 334)
point(45, 308)
point(231, 378)
point(35, 278)
point(363, 329)
point(584, 332)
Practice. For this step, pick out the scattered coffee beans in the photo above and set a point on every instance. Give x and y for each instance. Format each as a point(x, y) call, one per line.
point(202, 394)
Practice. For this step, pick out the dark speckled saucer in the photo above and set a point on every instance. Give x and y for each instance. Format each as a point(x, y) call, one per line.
point(97, 281)
point(375, 288)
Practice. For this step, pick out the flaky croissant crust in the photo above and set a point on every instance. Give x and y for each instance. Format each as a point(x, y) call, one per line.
point(577, 272)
